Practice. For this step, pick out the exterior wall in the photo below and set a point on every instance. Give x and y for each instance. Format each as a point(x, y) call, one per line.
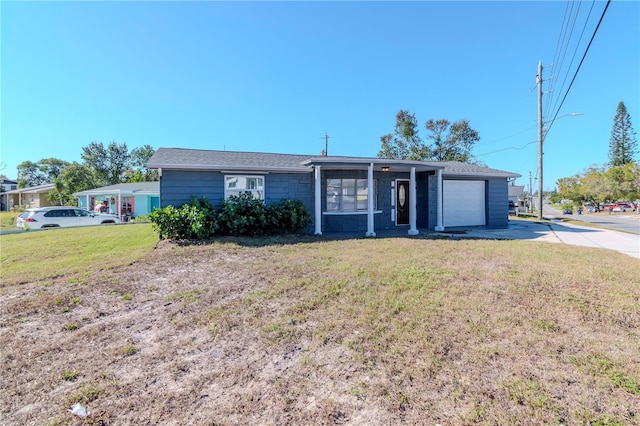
point(424, 198)
point(177, 187)
point(426, 183)
point(497, 199)
point(141, 205)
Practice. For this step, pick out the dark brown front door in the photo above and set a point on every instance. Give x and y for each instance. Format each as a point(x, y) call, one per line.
point(402, 202)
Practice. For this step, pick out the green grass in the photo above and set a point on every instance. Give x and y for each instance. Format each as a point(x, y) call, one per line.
point(8, 220)
point(74, 252)
point(471, 331)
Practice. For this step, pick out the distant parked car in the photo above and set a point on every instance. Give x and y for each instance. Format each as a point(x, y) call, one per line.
point(55, 217)
point(622, 207)
point(590, 208)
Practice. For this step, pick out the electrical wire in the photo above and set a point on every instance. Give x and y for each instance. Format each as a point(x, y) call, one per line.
point(575, 51)
point(578, 69)
point(507, 149)
point(559, 57)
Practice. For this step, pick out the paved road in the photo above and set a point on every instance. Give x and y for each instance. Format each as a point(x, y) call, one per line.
point(627, 222)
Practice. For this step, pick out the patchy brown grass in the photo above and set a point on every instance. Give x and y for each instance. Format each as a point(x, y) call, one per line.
point(384, 331)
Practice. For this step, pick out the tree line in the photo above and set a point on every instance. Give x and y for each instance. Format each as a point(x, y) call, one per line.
point(100, 166)
point(617, 180)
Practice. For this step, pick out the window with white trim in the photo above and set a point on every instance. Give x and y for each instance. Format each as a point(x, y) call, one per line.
point(238, 184)
point(350, 195)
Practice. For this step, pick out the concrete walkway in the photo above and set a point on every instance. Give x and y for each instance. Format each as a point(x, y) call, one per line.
point(556, 231)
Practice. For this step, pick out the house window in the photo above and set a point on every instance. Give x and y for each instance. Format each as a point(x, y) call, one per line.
point(350, 195)
point(238, 184)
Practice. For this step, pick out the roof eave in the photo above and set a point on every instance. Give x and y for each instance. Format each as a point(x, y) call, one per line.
point(239, 168)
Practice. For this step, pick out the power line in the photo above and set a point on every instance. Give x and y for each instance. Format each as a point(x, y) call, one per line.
point(579, 66)
point(575, 51)
point(558, 60)
point(507, 149)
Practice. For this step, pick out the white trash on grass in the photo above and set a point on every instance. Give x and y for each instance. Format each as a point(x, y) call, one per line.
point(78, 410)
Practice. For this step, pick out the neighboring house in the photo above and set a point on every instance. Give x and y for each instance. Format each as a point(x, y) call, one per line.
point(516, 193)
point(125, 199)
point(516, 196)
point(5, 186)
point(343, 194)
point(35, 196)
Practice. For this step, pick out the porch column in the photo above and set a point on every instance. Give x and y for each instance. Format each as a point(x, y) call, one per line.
point(439, 226)
point(88, 206)
point(370, 195)
point(318, 202)
point(413, 213)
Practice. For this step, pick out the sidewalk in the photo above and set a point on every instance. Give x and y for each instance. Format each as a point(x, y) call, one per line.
point(564, 233)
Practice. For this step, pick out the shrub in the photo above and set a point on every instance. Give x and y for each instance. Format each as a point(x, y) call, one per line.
point(289, 216)
point(240, 215)
point(196, 220)
point(244, 215)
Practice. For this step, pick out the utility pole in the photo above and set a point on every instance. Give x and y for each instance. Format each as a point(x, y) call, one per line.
point(530, 207)
point(326, 144)
point(540, 196)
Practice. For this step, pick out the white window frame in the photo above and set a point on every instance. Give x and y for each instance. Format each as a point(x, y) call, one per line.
point(256, 185)
point(359, 195)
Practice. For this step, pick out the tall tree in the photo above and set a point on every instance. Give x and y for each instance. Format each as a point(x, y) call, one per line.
point(30, 174)
point(109, 163)
point(78, 177)
point(406, 144)
point(451, 142)
point(51, 168)
point(140, 172)
point(623, 145)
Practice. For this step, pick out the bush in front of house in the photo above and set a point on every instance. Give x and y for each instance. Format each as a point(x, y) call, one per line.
point(289, 216)
point(194, 221)
point(243, 215)
point(240, 215)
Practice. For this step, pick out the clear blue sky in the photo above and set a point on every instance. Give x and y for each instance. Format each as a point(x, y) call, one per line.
point(275, 76)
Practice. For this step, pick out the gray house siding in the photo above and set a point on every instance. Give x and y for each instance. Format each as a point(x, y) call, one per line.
point(422, 200)
point(294, 186)
point(497, 200)
point(177, 187)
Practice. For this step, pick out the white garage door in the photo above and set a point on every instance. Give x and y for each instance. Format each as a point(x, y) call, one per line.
point(463, 203)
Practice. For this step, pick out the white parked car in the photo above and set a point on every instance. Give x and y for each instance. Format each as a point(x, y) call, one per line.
point(54, 217)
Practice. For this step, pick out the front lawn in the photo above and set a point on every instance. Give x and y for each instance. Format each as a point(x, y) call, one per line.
point(313, 331)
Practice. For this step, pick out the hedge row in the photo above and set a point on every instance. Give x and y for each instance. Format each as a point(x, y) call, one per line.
point(240, 215)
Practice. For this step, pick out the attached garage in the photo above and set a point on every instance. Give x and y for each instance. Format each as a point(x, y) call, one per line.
point(464, 203)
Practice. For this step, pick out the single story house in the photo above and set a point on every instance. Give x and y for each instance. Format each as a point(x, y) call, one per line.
point(32, 197)
point(126, 199)
point(343, 194)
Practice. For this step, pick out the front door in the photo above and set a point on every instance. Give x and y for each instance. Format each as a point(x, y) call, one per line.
point(402, 202)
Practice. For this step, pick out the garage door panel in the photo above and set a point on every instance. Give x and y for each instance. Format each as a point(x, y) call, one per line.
point(463, 203)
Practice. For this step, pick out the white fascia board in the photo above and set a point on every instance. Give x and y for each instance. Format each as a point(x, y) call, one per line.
point(232, 168)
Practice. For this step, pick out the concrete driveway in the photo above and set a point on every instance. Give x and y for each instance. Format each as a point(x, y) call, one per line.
point(556, 231)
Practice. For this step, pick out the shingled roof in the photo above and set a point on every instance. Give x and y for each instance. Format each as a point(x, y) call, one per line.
point(461, 169)
point(199, 159)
